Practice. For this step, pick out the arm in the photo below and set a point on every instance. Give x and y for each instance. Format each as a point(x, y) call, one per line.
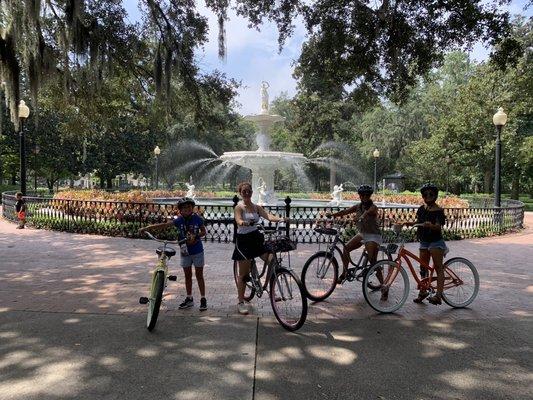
point(156, 227)
point(437, 226)
point(272, 218)
point(347, 211)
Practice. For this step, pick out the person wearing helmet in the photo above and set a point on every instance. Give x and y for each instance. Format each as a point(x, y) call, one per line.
point(366, 215)
point(432, 245)
point(190, 226)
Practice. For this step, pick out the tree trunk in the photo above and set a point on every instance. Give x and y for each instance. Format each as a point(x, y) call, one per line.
point(13, 179)
point(487, 181)
point(109, 183)
point(50, 186)
point(515, 185)
point(101, 182)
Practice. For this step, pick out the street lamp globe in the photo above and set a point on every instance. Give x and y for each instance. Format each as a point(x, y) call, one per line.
point(157, 150)
point(500, 118)
point(24, 110)
point(376, 153)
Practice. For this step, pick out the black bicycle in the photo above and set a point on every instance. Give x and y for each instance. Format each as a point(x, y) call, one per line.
point(285, 290)
point(321, 270)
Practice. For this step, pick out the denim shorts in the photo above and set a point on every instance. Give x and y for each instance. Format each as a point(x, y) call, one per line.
point(196, 259)
point(439, 244)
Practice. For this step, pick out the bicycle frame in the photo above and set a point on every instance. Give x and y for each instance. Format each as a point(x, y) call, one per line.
point(422, 283)
point(161, 266)
point(333, 246)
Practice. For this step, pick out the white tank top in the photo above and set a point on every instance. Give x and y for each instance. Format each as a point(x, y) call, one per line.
point(251, 217)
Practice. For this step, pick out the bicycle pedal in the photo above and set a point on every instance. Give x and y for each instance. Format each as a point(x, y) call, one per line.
point(172, 278)
point(143, 300)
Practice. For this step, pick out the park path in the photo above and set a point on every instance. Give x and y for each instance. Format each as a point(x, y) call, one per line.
point(62, 272)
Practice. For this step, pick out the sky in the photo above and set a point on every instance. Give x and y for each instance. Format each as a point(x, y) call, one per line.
point(253, 57)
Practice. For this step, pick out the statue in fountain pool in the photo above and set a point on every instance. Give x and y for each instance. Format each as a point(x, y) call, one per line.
point(262, 193)
point(336, 195)
point(190, 190)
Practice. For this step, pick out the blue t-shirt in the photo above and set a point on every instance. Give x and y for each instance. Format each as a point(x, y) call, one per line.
point(190, 224)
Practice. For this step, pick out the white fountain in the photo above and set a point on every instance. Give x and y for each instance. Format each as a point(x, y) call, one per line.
point(264, 162)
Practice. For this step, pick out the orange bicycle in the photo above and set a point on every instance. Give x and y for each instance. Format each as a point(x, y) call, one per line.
point(461, 279)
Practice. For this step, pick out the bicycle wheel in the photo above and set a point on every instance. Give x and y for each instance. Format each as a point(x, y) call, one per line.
point(154, 302)
point(461, 282)
point(392, 283)
point(319, 276)
point(249, 291)
point(288, 299)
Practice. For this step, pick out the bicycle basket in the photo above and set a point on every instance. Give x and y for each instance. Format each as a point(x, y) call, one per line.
point(280, 244)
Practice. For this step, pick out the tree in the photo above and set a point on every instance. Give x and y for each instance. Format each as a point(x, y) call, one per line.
point(369, 47)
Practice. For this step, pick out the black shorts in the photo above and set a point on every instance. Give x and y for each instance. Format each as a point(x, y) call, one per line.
point(249, 246)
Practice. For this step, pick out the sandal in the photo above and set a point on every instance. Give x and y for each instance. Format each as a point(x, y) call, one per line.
point(421, 297)
point(436, 300)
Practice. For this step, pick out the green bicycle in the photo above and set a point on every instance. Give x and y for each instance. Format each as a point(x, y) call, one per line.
point(159, 280)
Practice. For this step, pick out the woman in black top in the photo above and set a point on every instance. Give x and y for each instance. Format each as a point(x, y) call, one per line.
point(432, 244)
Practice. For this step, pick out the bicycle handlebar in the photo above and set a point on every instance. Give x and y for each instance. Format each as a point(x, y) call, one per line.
point(163, 241)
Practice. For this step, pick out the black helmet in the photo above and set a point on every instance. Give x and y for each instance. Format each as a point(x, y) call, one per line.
point(429, 186)
point(365, 189)
point(185, 200)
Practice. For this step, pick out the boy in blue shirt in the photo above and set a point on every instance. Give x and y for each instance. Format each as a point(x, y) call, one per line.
point(190, 226)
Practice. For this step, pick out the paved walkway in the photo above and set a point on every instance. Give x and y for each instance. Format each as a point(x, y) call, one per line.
point(61, 272)
point(71, 328)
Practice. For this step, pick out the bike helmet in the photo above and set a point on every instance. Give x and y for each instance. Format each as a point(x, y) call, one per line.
point(365, 189)
point(429, 187)
point(185, 200)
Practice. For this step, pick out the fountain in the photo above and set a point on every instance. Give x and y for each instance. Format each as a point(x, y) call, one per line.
point(264, 162)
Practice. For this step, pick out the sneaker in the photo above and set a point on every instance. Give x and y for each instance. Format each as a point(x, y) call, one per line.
point(187, 303)
point(203, 304)
point(241, 307)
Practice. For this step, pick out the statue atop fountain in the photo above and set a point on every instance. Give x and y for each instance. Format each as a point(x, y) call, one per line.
point(336, 195)
point(264, 97)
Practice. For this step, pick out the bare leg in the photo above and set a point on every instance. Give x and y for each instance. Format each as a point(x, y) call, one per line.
point(199, 272)
point(188, 280)
point(424, 257)
point(353, 244)
point(438, 256)
point(244, 270)
point(372, 250)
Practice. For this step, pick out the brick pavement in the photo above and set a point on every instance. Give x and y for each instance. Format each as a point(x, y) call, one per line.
point(61, 272)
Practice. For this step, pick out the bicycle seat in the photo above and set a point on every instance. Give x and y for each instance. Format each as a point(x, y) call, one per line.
point(169, 251)
point(325, 231)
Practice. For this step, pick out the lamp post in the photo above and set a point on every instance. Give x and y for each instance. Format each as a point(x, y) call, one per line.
point(448, 162)
point(376, 156)
point(499, 119)
point(157, 151)
point(36, 151)
point(24, 112)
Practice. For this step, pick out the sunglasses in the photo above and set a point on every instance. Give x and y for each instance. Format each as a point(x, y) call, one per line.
point(428, 194)
point(247, 191)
